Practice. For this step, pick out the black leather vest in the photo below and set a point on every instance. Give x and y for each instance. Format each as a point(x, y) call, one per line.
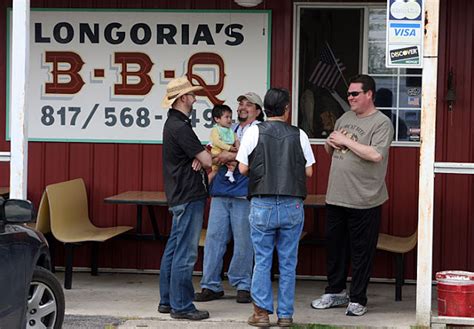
point(277, 164)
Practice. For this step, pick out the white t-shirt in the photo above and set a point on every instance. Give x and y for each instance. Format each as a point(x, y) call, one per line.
point(250, 140)
point(240, 130)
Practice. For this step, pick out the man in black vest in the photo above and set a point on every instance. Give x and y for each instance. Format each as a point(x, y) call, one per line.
point(278, 158)
point(186, 191)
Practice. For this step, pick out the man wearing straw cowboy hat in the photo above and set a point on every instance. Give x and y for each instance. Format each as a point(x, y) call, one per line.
point(184, 161)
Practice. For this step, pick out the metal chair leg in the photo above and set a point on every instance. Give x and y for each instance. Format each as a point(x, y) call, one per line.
point(69, 249)
point(274, 265)
point(95, 258)
point(399, 278)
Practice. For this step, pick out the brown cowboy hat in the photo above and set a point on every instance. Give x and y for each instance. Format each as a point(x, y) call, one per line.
point(177, 88)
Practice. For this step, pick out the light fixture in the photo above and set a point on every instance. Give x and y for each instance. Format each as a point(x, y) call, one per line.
point(248, 3)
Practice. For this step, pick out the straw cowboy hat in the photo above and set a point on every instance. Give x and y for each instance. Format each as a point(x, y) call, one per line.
point(177, 88)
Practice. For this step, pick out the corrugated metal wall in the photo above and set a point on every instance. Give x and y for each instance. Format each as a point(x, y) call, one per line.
point(111, 168)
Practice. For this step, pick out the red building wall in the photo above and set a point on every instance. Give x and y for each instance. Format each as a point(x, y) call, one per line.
point(454, 194)
point(112, 168)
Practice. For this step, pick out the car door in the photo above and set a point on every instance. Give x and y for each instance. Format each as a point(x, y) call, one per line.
point(13, 282)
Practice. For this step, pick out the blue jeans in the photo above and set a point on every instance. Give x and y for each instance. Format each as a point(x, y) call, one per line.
point(179, 257)
point(228, 218)
point(275, 221)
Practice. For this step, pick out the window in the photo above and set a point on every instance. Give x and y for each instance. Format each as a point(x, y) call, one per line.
point(353, 36)
point(398, 90)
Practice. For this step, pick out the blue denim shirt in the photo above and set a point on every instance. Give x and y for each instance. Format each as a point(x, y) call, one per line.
point(222, 187)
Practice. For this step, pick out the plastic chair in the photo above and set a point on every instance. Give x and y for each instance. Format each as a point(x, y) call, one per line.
point(43, 225)
point(399, 246)
point(202, 238)
point(42, 219)
point(70, 223)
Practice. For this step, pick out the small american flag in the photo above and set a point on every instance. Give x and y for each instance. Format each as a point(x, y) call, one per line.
point(328, 71)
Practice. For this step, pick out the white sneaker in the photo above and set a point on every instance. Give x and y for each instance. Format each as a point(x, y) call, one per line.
point(330, 300)
point(355, 309)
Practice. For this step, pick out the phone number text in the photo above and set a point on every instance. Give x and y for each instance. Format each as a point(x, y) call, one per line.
point(127, 117)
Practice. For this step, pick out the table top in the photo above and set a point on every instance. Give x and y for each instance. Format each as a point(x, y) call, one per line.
point(151, 198)
point(159, 199)
point(315, 201)
point(4, 191)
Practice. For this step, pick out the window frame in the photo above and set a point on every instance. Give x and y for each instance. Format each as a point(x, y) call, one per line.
point(364, 57)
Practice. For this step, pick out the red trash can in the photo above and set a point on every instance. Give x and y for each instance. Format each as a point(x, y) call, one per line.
point(455, 293)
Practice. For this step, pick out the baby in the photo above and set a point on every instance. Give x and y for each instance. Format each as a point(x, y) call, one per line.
point(223, 138)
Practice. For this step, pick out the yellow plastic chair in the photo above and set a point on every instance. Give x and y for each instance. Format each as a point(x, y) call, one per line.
point(399, 246)
point(70, 223)
point(202, 238)
point(43, 225)
point(42, 219)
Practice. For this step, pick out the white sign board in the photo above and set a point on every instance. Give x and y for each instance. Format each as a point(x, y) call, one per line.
point(100, 75)
point(405, 28)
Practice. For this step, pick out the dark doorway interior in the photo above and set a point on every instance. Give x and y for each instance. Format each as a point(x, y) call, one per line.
point(327, 36)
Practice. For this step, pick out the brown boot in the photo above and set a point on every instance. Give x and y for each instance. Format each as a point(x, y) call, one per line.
point(259, 318)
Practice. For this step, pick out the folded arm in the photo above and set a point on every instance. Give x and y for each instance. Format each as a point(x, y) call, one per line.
point(338, 139)
point(203, 159)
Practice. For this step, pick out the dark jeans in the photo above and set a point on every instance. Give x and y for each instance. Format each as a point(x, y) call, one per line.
point(351, 237)
point(177, 263)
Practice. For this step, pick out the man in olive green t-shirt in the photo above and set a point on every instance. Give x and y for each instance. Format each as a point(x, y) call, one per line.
point(359, 147)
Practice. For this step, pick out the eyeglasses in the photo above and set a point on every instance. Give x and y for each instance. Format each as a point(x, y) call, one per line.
point(190, 94)
point(354, 93)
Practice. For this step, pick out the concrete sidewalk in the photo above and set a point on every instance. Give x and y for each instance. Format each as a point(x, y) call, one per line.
point(133, 298)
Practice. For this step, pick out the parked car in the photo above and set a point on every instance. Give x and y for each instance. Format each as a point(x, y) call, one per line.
point(30, 295)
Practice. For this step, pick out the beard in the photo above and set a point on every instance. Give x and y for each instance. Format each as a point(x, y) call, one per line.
point(241, 119)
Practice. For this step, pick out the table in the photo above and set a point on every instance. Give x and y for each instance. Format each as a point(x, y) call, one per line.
point(151, 199)
point(140, 199)
point(314, 201)
point(4, 192)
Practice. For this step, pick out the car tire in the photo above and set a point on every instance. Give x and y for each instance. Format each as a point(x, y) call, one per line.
point(45, 301)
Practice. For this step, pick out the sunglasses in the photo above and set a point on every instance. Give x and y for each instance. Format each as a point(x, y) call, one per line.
point(354, 93)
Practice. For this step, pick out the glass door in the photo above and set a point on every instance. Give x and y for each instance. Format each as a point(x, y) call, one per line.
point(335, 42)
point(329, 52)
